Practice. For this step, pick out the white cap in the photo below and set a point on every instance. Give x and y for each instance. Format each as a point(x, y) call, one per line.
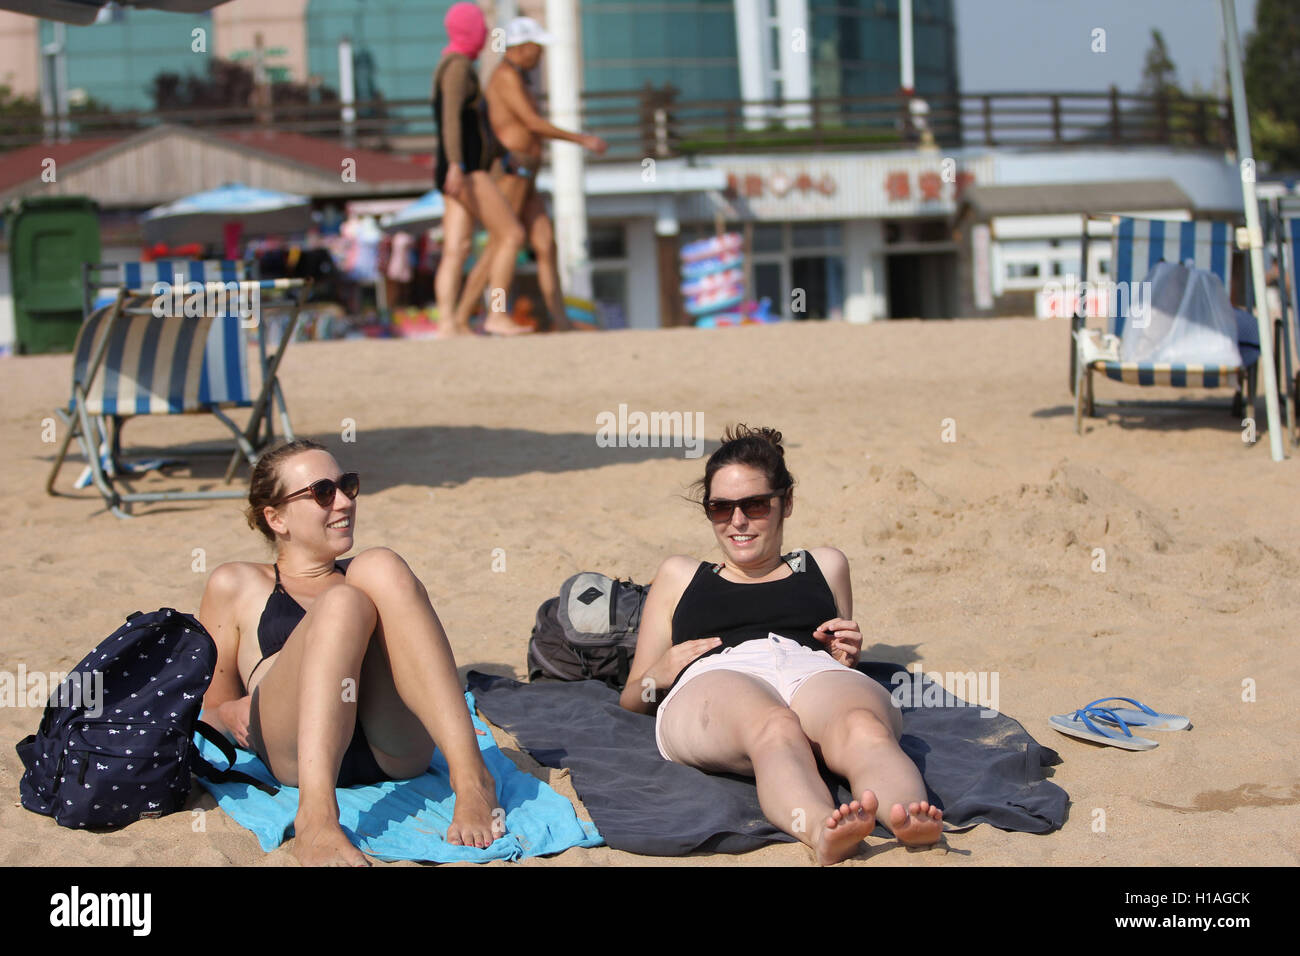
point(523, 30)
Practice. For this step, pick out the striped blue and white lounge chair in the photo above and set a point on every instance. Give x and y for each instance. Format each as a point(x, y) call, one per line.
point(1136, 246)
point(1288, 248)
point(139, 353)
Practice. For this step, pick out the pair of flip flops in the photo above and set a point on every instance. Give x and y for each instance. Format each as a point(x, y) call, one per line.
point(1115, 725)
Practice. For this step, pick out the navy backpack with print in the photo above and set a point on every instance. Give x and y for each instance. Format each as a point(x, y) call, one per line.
point(116, 741)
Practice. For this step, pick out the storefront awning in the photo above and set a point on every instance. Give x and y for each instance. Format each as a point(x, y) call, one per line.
point(989, 202)
point(665, 176)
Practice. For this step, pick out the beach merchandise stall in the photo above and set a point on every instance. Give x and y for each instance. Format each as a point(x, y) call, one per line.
point(713, 283)
point(223, 217)
point(385, 264)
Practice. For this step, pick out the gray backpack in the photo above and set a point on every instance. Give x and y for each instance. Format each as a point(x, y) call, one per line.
point(588, 632)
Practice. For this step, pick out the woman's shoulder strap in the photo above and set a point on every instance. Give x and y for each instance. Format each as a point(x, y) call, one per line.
point(797, 560)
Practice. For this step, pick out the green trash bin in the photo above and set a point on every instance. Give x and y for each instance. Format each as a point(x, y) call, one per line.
point(49, 238)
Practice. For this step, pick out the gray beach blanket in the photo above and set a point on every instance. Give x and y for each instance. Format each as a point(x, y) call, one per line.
point(976, 769)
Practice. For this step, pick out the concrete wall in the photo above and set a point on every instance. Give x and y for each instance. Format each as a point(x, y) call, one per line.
point(866, 292)
point(20, 54)
point(642, 278)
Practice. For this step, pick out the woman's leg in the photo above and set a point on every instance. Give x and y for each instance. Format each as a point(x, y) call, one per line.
point(457, 233)
point(306, 718)
point(411, 696)
point(475, 283)
point(515, 191)
point(733, 723)
point(505, 239)
point(855, 727)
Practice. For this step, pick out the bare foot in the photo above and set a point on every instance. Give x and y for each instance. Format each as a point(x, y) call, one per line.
point(476, 820)
point(498, 323)
point(451, 330)
point(918, 825)
point(845, 829)
point(324, 844)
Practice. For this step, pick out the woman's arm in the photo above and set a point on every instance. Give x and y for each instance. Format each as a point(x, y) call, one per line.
point(842, 634)
point(658, 660)
point(455, 84)
point(225, 704)
point(835, 568)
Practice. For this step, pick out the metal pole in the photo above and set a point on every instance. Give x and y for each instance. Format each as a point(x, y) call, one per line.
point(796, 72)
point(1254, 232)
point(61, 92)
point(754, 52)
point(53, 89)
point(347, 91)
point(907, 77)
point(564, 80)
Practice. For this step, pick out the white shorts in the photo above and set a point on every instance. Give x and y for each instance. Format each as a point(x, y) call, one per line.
point(777, 661)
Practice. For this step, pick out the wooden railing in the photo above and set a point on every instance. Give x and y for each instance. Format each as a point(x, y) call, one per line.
point(655, 122)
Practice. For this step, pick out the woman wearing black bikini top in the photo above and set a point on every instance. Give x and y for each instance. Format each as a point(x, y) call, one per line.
point(750, 663)
point(336, 672)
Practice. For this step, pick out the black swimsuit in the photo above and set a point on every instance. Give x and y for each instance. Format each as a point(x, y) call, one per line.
point(793, 607)
point(478, 147)
point(280, 616)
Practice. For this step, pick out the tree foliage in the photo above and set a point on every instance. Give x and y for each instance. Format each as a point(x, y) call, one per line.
point(1173, 116)
point(228, 84)
point(1272, 75)
point(1158, 71)
point(22, 122)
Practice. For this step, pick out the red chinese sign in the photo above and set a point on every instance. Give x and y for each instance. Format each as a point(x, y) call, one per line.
point(929, 184)
point(778, 185)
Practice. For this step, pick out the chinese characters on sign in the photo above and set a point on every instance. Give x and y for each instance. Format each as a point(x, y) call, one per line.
point(900, 185)
point(929, 185)
point(780, 185)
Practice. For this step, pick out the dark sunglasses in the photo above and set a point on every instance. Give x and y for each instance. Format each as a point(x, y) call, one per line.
point(755, 506)
point(323, 490)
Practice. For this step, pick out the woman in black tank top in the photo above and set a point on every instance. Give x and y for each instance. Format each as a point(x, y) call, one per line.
point(336, 672)
point(750, 663)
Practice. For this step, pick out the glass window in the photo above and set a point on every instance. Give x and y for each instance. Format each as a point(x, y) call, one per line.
point(821, 279)
point(606, 242)
point(817, 235)
point(609, 289)
point(767, 284)
point(766, 237)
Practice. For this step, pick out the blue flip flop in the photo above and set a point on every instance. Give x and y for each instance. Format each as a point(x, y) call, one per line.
point(1144, 718)
point(1081, 724)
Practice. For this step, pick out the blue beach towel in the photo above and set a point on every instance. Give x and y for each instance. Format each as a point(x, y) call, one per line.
point(408, 819)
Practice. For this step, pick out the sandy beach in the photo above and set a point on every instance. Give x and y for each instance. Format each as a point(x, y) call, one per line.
point(974, 554)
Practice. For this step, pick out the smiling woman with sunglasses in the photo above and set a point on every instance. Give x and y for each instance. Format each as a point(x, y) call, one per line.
point(750, 662)
point(335, 672)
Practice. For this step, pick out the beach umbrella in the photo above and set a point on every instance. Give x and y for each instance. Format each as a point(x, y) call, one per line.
point(423, 213)
point(204, 217)
point(1256, 235)
point(83, 12)
point(79, 12)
